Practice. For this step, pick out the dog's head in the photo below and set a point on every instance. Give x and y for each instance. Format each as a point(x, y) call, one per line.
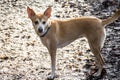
point(40, 21)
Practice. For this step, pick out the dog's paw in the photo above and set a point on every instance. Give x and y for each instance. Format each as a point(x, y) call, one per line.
point(100, 73)
point(96, 74)
point(49, 78)
point(52, 78)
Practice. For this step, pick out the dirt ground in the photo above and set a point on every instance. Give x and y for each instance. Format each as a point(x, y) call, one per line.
point(23, 57)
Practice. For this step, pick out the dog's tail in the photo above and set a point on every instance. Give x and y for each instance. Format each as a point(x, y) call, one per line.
point(111, 19)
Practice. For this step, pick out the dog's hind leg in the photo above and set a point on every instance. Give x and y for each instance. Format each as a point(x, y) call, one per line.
point(102, 40)
point(95, 46)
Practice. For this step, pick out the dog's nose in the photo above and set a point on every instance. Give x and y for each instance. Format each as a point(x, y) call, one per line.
point(40, 29)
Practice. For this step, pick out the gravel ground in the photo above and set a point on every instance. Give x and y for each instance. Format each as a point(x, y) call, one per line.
point(23, 57)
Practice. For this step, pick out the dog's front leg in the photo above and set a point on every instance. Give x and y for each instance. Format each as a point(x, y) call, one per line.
point(52, 52)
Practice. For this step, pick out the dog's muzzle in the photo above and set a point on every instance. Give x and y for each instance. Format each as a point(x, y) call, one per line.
point(40, 30)
point(45, 32)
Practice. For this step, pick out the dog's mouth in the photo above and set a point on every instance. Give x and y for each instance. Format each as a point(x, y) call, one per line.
point(44, 32)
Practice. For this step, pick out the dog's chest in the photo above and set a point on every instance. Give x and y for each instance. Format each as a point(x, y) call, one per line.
point(64, 43)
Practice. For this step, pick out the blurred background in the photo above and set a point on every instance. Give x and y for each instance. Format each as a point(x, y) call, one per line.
point(23, 57)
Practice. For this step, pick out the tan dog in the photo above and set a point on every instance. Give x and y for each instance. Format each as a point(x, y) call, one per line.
point(59, 33)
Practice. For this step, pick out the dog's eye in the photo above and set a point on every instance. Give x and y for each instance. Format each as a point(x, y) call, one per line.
point(36, 22)
point(43, 22)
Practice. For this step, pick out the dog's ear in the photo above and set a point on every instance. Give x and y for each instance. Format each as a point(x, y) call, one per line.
point(30, 12)
point(48, 12)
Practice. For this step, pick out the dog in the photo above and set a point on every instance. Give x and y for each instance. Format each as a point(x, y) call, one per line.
point(59, 33)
